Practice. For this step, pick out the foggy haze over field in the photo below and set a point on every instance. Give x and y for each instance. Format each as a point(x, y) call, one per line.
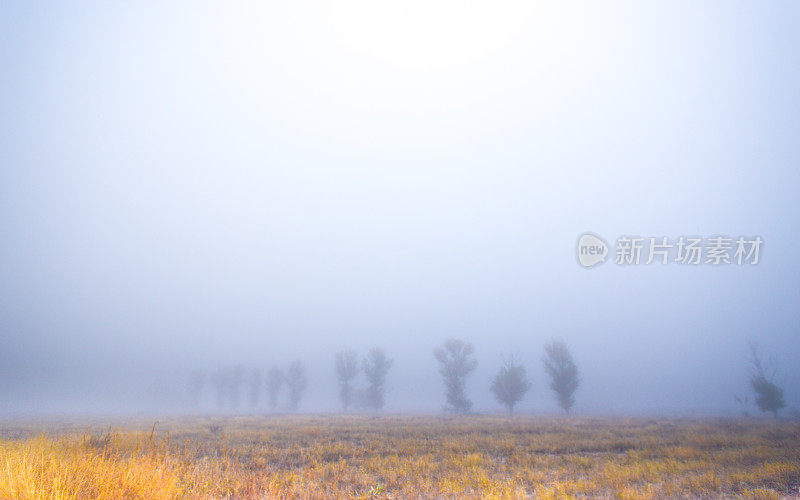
point(200, 186)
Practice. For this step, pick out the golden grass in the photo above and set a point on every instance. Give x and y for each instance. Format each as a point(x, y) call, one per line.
point(402, 457)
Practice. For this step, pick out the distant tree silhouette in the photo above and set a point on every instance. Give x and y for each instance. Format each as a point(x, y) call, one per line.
point(296, 381)
point(510, 384)
point(563, 373)
point(275, 379)
point(455, 363)
point(196, 386)
point(255, 387)
point(346, 371)
point(743, 404)
point(769, 395)
point(221, 382)
point(236, 381)
point(376, 365)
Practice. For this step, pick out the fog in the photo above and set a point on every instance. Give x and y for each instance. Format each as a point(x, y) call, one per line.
point(196, 186)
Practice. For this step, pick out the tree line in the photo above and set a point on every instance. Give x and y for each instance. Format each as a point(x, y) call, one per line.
point(455, 358)
point(456, 361)
point(227, 384)
point(510, 384)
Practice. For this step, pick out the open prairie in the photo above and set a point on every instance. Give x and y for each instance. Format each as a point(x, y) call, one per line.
point(400, 457)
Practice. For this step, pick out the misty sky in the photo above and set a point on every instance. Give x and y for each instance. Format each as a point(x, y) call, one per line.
point(202, 184)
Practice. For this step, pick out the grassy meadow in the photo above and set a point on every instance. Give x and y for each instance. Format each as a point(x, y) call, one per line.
point(399, 457)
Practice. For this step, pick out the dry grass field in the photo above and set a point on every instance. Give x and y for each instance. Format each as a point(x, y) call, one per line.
point(400, 457)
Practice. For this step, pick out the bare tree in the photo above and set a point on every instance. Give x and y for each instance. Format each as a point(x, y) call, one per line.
point(255, 387)
point(563, 372)
point(275, 379)
point(510, 384)
point(220, 379)
point(743, 404)
point(236, 381)
point(196, 385)
point(296, 381)
point(455, 363)
point(376, 365)
point(346, 371)
point(769, 395)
